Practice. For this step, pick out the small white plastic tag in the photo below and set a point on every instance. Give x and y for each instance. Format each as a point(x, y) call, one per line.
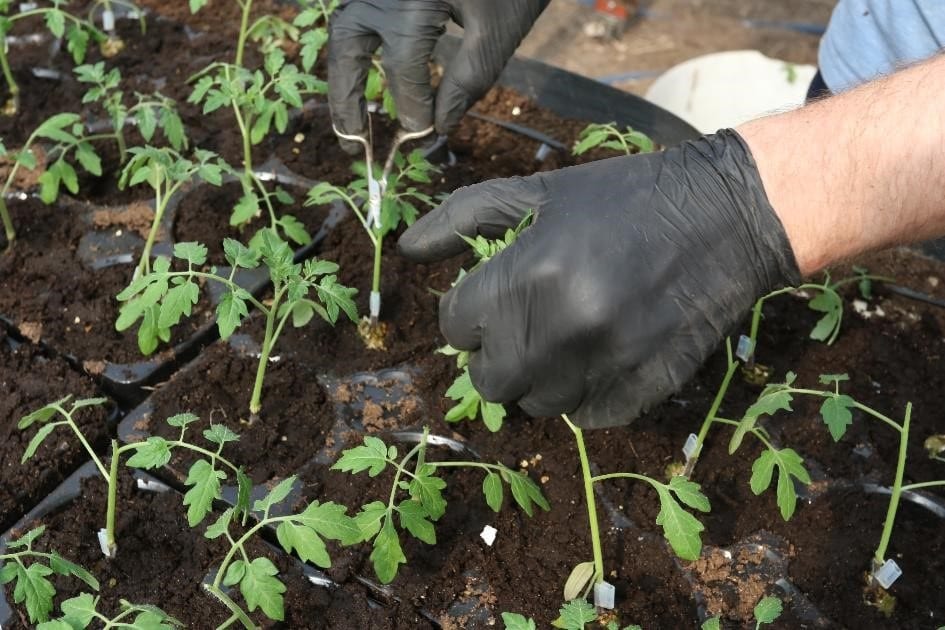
point(604, 595)
point(691, 448)
point(374, 202)
point(744, 350)
point(542, 152)
point(887, 574)
point(108, 20)
point(375, 304)
point(488, 534)
point(103, 543)
point(27, 6)
point(151, 486)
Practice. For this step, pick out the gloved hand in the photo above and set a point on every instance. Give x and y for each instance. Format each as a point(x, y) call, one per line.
point(631, 273)
point(408, 30)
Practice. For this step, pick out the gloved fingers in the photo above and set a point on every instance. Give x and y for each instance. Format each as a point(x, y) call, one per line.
point(557, 387)
point(408, 45)
point(497, 370)
point(350, 48)
point(488, 209)
point(493, 30)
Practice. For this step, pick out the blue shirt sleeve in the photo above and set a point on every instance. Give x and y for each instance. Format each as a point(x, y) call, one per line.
point(869, 38)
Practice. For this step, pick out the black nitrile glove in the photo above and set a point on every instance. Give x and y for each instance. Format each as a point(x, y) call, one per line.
point(408, 30)
point(632, 272)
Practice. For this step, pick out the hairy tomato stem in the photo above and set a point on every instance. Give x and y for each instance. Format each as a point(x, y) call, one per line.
point(255, 403)
point(591, 501)
point(112, 507)
point(880, 555)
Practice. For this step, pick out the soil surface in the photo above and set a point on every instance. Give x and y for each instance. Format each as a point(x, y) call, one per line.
point(312, 405)
point(30, 378)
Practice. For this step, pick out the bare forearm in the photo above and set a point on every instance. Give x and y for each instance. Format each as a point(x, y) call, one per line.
point(860, 171)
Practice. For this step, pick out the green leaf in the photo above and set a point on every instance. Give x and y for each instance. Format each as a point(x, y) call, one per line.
point(767, 610)
point(837, 415)
point(205, 482)
point(828, 326)
point(33, 589)
point(147, 123)
point(712, 623)
point(41, 415)
point(261, 589)
point(49, 186)
point(304, 540)
point(65, 567)
point(525, 491)
point(492, 415)
point(181, 420)
point(28, 538)
point(427, 488)
point(85, 154)
point(245, 209)
point(80, 609)
point(829, 379)
point(330, 520)
point(230, 313)
point(294, 229)
point(372, 456)
point(152, 453)
point(220, 526)
point(174, 131)
point(196, 5)
point(689, 493)
point(369, 519)
point(244, 487)
point(492, 488)
point(387, 555)
point(192, 252)
point(680, 527)
point(220, 434)
point(413, 518)
point(37, 439)
point(238, 255)
point(574, 614)
point(56, 22)
point(589, 141)
point(515, 621)
point(774, 398)
point(789, 464)
point(276, 495)
point(77, 42)
point(177, 303)
point(234, 573)
point(53, 127)
point(374, 85)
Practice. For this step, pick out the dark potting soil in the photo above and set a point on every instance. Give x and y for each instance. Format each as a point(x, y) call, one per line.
point(31, 378)
point(161, 561)
point(49, 293)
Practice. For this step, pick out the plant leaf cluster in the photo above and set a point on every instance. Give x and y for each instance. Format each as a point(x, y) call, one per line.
point(609, 136)
point(79, 612)
point(424, 503)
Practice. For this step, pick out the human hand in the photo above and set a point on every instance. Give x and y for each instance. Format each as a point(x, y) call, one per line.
point(630, 275)
point(408, 31)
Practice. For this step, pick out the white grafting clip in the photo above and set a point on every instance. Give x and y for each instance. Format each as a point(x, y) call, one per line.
point(377, 186)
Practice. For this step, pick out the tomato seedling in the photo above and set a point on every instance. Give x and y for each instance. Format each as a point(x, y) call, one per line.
point(166, 171)
point(78, 613)
point(415, 475)
point(766, 611)
point(609, 136)
point(397, 205)
point(300, 291)
point(29, 570)
point(62, 24)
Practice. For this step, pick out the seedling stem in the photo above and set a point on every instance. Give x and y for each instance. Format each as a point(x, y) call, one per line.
point(598, 576)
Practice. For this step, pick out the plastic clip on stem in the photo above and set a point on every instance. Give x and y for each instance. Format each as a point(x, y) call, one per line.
point(376, 189)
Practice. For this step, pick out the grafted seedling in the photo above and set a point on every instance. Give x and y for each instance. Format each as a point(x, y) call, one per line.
point(299, 291)
point(62, 24)
point(166, 171)
point(424, 504)
point(398, 201)
point(766, 611)
point(82, 611)
point(827, 300)
point(30, 570)
point(610, 136)
point(257, 578)
point(204, 477)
